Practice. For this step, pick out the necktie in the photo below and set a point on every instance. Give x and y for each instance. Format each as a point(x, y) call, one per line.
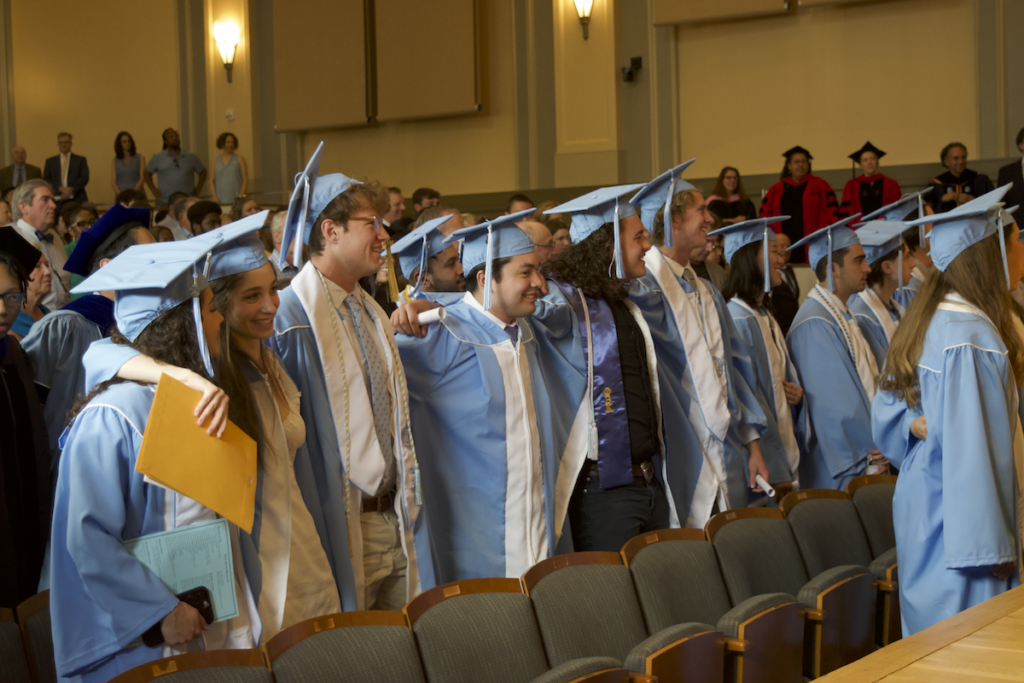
point(513, 333)
point(44, 237)
point(19, 175)
point(64, 160)
point(691, 280)
point(376, 374)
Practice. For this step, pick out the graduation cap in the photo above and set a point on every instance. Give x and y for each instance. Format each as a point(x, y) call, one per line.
point(595, 209)
point(115, 222)
point(739, 235)
point(11, 242)
point(658, 194)
point(831, 238)
point(956, 230)
point(414, 249)
point(150, 279)
point(238, 248)
point(868, 147)
point(796, 150)
point(880, 238)
point(900, 209)
point(490, 240)
point(310, 197)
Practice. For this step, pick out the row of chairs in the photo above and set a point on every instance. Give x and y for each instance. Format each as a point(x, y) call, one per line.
point(758, 595)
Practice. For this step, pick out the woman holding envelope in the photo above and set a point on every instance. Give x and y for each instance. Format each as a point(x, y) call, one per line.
point(102, 598)
point(296, 578)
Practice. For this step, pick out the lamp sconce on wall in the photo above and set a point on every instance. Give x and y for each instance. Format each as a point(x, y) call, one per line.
point(583, 10)
point(226, 34)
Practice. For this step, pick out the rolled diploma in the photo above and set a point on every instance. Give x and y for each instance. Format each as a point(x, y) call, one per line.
point(765, 486)
point(432, 316)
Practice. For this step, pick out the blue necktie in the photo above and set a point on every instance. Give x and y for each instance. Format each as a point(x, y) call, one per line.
point(44, 237)
point(513, 333)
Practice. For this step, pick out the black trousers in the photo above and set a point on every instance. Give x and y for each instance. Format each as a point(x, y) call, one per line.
point(605, 519)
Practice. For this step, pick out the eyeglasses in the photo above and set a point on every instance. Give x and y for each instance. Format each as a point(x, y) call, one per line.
point(84, 225)
point(377, 224)
point(15, 299)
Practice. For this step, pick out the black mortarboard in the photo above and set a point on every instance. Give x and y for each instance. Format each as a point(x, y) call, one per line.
point(17, 246)
point(868, 147)
point(790, 152)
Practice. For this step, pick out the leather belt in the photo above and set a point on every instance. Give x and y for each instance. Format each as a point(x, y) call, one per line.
point(644, 469)
point(381, 503)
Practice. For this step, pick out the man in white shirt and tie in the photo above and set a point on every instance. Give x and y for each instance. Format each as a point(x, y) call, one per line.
point(67, 173)
point(33, 209)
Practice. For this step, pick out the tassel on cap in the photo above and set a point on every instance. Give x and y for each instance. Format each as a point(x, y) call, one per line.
point(392, 278)
point(831, 283)
point(767, 273)
point(488, 269)
point(668, 212)
point(1002, 252)
point(620, 271)
point(920, 214)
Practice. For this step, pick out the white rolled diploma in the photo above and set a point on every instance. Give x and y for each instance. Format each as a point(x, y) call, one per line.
point(765, 486)
point(432, 316)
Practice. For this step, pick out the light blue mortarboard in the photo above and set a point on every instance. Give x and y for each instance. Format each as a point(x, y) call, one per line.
point(414, 249)
point(956, 230)
point(823, 242)
point(114, 222)
point(498, 238)
point(310, 197)
point(656, 194)
point(899, 209)
point(595, 209)
point(238, 249)
point(739, 235)
point(150, 279)
point(880, 238)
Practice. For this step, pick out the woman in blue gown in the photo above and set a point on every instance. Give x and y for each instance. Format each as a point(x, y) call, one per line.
point(947, 415)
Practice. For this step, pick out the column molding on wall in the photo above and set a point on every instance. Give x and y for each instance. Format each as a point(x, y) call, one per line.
point(190, 38)
point(533, 93)
point(1013, 78)
point(990, 42)
point(8, 129)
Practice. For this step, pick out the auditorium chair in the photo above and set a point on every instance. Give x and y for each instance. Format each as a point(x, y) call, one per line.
point(371, 646)
point(758, 554)
point(586, 606)
point(214, 666)
point(872, 496)
point(485, 630)
point(34, 617)
point(678, 581)
point(13, 665)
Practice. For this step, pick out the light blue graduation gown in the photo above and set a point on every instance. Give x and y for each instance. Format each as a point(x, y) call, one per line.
point(871, 327)
point(687, 459)
point(754, 344)
point(101, 598)
point(947, 544)
point(838, 408)
point(301, 339)
point(910, 290)
point(488, 485)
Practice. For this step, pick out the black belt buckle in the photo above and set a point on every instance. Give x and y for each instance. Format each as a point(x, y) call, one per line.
point(647, 467)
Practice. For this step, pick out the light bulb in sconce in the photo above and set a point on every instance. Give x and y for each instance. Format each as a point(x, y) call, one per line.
point(226, 34)
point(583, 10)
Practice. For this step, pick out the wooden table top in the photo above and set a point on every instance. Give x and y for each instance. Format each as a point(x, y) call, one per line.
point(984, 643)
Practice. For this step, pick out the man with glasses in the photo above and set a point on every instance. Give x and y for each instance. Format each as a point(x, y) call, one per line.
point(175, 168)
point(357, 469)
point(34, 210)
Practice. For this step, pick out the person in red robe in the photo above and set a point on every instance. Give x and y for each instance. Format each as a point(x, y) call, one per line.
point(807, 199)
point(871, 191)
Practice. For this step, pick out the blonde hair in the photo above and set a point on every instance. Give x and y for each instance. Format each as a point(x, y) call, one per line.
point(680, 203)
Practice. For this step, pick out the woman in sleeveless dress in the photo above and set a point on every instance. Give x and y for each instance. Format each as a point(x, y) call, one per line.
point(126, 166)
point(230, 178)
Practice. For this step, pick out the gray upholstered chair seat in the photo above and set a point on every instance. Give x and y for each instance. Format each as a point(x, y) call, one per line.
point(364, 653)
point(636, 660)
point(222, 674)
point(730, 622)
point(808, 595)
point(12, 654)
point(880, 565)
point(577, 668)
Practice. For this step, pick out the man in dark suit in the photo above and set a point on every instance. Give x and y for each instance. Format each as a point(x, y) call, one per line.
point(1014, 173)
point(67, 173)
point(19, 171)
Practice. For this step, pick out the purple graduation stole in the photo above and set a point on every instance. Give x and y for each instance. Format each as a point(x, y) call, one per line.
point(615, 464)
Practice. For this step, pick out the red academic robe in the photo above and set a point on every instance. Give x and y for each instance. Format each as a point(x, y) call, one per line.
point(816, 208)
point(860, 197)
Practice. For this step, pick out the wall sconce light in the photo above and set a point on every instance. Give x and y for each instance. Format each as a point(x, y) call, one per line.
point(226, 34)
point(583, 10)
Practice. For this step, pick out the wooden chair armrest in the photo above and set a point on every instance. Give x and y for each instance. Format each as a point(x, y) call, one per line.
point(812, 614)
point(883, 585)
point(642, 678)
point(606, 676)
point(734, 645)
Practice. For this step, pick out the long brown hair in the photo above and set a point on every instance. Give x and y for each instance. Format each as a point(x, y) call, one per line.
point(720, 190)
point(233, 364)
point(977, 276)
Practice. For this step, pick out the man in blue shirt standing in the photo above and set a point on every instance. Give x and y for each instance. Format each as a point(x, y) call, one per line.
point(175, 168)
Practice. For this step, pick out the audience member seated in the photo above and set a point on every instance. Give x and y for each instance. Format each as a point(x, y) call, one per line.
point(287, 271)
point(204, 216)
point(786, 296)
point(808, 200)
point(542, 215)
point(517, 203)
point(34, 211)
point(959, 184)
point(67, 173)
point(424, 198)
point(729, 201)
point(561, 240)
point(543, 240)
point(18, 172)
point(24, 456)
point(175, 170)
point(396, 208)
point(230, 178)
point(162, 233)
point(126, 167)
point(436, 211)
point(706, 268)
point(871, 191)
point(175, 217)
point(1011, 173)
point(5, 213)
point(126, 197)
point(243, 207)
point(32, 310)
point(8, 194)
point(470, 219)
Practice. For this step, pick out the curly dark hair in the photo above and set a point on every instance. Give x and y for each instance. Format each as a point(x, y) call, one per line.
point(745, 280)
point(170, 339)
point(586, 266)
point(223, 137)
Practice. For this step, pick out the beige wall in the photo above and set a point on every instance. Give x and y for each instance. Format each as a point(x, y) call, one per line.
point(900, 74)
point(458, 155)
point(93, 73)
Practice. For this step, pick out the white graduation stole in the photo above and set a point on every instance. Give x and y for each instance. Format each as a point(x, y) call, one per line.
point(705, 351)
point(873, 301)
point(860, 352)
